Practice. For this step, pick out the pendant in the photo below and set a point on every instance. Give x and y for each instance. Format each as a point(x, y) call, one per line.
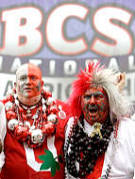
point(37, 136)
point(12, 123)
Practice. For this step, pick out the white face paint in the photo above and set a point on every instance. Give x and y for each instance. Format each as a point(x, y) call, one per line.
point(28, 83)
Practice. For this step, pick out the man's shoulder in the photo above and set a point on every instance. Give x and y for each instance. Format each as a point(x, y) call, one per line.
point(127, 126)
point(63, 104)
point(62, 118)
point(127, 121)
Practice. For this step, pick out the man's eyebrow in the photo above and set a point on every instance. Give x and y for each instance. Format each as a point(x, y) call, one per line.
point(22, 75)
point(99, 92)
point(31, 74)
point(96, 92)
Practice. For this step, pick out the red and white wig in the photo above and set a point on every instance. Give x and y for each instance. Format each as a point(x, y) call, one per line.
point(97, 75)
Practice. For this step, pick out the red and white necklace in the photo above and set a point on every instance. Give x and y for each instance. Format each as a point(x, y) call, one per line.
point(31, 124)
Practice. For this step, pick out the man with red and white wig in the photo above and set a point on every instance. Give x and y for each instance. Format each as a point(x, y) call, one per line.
point(31, 130)
point(99, 137)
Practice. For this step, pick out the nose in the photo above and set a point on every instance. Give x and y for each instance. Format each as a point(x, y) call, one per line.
point(92, 100)
point(28, 80)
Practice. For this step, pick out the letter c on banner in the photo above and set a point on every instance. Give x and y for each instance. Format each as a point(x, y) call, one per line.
point(55, 29)
point(105, 19)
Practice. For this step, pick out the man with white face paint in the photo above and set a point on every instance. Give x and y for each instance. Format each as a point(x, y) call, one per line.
point(100, 140)
point(32, 131)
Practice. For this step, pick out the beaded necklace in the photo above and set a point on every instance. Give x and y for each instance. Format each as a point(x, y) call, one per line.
point(82, 151)
point(32, 124)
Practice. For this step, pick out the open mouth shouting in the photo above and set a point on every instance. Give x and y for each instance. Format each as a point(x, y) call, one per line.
point(93, 110)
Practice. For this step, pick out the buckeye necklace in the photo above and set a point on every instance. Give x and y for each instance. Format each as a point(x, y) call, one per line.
point(82, 151)
point(43, 115)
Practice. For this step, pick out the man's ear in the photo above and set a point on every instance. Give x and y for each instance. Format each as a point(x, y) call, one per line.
point(121, 81)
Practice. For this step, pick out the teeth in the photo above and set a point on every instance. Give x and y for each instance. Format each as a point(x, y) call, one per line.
point(93, 108)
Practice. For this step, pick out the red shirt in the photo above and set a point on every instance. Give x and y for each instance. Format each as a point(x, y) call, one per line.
point(22, 162)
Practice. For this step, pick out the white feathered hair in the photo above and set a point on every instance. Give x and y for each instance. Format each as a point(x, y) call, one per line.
point(107, 78)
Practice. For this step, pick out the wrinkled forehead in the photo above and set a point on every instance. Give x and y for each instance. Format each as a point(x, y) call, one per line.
point(28, 70)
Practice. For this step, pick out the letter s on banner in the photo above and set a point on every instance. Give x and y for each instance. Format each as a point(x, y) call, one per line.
point(122, 40)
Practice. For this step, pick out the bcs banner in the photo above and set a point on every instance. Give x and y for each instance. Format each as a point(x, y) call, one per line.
point(63, 28)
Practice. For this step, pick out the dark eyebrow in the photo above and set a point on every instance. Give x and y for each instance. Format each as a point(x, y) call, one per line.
point(99, 93)
point(22, 76)
point(95, 93)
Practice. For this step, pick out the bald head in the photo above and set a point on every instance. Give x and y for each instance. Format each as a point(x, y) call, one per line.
point(28, 68)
